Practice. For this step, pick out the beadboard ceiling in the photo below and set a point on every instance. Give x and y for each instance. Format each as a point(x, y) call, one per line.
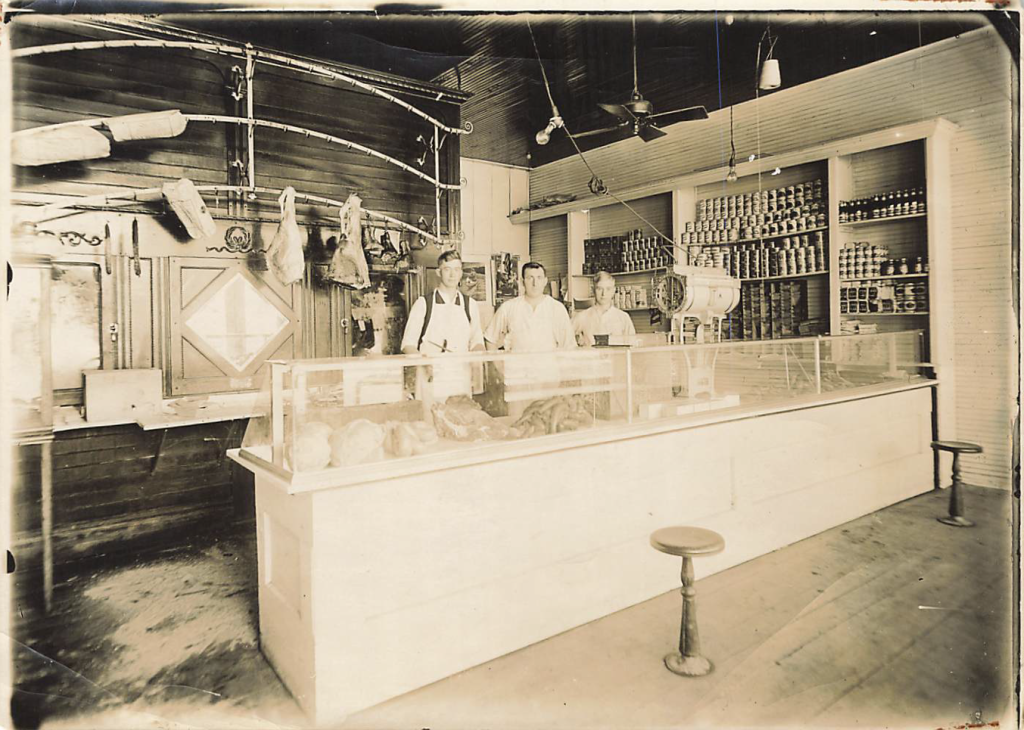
point(684, 59)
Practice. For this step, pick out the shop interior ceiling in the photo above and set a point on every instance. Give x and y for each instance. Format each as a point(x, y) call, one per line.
point(684, 59)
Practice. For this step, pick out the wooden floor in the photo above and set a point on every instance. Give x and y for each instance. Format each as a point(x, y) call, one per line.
point(891, 620)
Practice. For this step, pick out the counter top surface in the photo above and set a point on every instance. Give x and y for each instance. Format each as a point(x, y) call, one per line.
point(173, 413)
point(450, 455)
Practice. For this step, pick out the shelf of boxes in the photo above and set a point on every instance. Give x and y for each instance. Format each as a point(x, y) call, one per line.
point(615, 254)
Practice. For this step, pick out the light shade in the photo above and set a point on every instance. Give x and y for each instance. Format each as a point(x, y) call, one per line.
point(771, 77)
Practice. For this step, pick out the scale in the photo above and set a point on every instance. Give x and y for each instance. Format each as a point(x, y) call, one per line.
point(706, 294)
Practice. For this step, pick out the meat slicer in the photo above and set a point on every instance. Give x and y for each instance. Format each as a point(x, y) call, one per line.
point(705, 294)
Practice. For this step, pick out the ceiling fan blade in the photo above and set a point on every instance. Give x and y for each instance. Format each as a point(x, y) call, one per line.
point(618, 110)
point(649, 133)
point(689, 114)
point(592, 132)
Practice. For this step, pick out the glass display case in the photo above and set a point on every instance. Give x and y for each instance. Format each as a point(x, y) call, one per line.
point(335, 416)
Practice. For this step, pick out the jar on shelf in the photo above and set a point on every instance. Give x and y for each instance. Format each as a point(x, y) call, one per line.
point(904, 267)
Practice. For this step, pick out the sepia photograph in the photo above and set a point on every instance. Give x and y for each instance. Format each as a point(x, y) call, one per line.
point(451, 366)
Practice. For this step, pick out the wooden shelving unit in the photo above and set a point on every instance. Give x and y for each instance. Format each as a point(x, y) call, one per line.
point(887, 219)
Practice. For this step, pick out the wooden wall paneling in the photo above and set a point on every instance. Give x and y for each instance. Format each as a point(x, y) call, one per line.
point(139, 327)
point(942, 326)
point(548, 245)
point(618, 220)
point(948, 78)
point(490, 193)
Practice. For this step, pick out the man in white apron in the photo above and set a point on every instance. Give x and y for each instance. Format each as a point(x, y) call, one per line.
point(445, 320)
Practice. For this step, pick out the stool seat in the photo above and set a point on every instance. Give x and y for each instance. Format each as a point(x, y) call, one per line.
point(957, 447)
point(687, 541)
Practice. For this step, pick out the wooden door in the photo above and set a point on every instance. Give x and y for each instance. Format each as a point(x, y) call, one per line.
point(226, 321)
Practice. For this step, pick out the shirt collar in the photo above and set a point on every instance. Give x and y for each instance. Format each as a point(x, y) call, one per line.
point(439, 298)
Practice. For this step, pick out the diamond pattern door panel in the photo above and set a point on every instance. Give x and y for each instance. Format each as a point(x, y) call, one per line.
point(226, 322)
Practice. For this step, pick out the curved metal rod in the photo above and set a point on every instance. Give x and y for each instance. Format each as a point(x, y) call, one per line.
point(226, 50)
point(43, 213)
point(320, 135)
point(273, 125)
point(325, 201)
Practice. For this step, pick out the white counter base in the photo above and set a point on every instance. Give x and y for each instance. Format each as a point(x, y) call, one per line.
point(367, 592)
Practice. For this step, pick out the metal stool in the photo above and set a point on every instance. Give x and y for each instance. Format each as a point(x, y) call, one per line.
point(688, 542)
point(956, 498)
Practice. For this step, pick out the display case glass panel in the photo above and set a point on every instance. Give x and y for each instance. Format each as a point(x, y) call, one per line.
point(324, 416)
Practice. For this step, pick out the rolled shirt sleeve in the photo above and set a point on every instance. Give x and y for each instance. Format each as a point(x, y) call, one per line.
point(414, 325)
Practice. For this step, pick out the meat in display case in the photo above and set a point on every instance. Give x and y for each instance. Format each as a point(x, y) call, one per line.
point(355, 419)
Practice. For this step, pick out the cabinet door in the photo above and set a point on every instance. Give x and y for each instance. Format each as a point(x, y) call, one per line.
point(83, 311)
point(225, 323)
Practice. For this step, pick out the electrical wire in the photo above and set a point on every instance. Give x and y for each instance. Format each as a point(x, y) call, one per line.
point(595, 181)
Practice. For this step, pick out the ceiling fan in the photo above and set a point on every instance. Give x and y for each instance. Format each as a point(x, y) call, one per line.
point(638, 113)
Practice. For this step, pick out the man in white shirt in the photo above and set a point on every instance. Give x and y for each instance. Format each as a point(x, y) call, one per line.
point(448, 321)
point(602, 318)
point(532, 322)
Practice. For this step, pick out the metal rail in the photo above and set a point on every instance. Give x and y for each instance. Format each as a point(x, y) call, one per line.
point(238, 51)
point(320, 135)
point(44, 212)
point(253, 122)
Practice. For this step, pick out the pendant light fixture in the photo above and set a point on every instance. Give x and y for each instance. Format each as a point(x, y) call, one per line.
point(731, 177)
point(771, 76)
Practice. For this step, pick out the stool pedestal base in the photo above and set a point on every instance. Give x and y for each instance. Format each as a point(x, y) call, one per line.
point(688, 666)
point(955, 521)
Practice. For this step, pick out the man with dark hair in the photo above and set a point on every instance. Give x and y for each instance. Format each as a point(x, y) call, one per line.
point(445, 320)
point(533, 321)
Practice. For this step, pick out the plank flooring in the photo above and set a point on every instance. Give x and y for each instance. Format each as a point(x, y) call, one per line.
point(892, 620)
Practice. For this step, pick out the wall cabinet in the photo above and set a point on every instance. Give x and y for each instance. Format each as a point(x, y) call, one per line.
point(910, 162)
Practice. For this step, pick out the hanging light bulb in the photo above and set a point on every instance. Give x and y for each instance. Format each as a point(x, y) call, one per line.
point(732, 176)
point(544, 135)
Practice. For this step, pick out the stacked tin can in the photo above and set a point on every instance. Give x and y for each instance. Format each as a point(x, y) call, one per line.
point(776, 212)
point(640, 253)
point(911, 297)
point(790, 256)
point(891, 297)
point(862, 260)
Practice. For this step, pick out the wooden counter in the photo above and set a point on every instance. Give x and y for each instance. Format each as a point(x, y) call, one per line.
point(370, 590)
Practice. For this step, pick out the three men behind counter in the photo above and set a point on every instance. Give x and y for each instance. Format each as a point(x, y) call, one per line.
point(446, 320)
